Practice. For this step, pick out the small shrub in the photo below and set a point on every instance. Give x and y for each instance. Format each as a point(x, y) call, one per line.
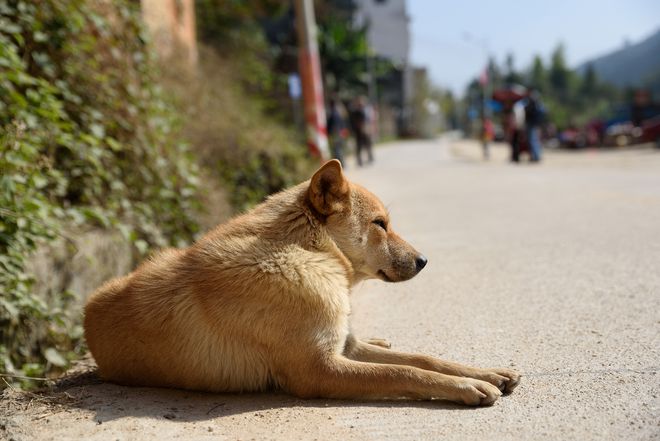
point(232, 131)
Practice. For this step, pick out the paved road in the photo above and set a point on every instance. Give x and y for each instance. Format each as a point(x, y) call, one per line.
point(552, 269)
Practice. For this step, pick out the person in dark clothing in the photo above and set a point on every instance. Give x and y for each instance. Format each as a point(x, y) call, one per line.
point(336, 127)
point(534, 114)
point(360, 125)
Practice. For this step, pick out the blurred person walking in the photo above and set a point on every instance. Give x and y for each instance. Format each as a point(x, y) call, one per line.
point(361, 126)
point(534, 114)
point(517, 123)
point(487, 136)
point(336, 126)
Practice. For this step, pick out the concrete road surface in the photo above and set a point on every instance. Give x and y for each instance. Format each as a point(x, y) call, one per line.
point(552, 269)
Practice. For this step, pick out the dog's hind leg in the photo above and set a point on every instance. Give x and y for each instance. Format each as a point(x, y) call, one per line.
point(505, 379)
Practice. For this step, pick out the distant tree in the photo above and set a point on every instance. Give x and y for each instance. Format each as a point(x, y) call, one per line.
point(495, 76)
point(589, 86)
point(509, 63)
point(449, 108)
point(347, 61)
point(344, 49)
point(472, 104)
point(560, 74)
point(652, 83)
point(538, 78)
point(511, 76)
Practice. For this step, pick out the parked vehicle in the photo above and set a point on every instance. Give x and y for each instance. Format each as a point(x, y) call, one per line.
point(621, 134)
point(651, 131)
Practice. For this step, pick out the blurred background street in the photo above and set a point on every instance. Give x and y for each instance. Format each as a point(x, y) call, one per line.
point(517, 145)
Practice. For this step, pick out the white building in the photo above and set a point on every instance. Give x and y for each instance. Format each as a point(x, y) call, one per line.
point(388, 32)
point(388, 35)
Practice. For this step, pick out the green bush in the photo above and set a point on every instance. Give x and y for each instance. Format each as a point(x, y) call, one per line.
point(231, 129)
point(239, 116)
point(86, 138)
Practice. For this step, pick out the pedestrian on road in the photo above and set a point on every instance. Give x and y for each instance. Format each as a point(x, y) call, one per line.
point(487, 136)
point(517, 127)
point(534, 114)
point(336, 126)
point(361, 127)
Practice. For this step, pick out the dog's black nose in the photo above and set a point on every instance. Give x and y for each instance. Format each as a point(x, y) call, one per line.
point(420, 262)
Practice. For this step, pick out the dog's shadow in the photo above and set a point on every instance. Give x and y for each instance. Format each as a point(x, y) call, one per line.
point(106, 401)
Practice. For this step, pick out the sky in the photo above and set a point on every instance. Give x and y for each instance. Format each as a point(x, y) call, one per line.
point(452, 38)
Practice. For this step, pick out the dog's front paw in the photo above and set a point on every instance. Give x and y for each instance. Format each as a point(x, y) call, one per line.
point(379, 342)
point(478, 393)
point(505, 379)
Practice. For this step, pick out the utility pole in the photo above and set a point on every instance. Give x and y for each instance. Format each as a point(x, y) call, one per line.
point(485, 81)
point(310, 75)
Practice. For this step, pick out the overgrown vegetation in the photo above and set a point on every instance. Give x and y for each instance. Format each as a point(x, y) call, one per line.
point(232, 133)
point(237, 104)
point(86, 139)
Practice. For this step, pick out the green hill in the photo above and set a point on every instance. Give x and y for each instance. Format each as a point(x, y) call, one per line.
point(634, 65)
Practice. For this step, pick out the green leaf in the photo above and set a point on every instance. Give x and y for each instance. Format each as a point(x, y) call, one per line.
point(39, 181)
point(40, 37)
point(142, 246)
point(32, 369)
point(54, 357)
point(11, 309)
point(97, 130)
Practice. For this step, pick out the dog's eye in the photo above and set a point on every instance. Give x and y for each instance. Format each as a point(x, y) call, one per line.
point(381, 223)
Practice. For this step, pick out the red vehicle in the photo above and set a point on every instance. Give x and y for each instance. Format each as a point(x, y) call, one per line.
point(651, 131)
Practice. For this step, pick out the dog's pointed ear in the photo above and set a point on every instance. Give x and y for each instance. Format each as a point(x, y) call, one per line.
point(328, 189)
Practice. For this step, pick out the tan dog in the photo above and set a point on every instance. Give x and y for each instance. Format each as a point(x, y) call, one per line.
point(263, 302)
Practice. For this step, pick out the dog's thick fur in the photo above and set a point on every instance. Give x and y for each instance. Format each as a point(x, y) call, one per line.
point(263, 302)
